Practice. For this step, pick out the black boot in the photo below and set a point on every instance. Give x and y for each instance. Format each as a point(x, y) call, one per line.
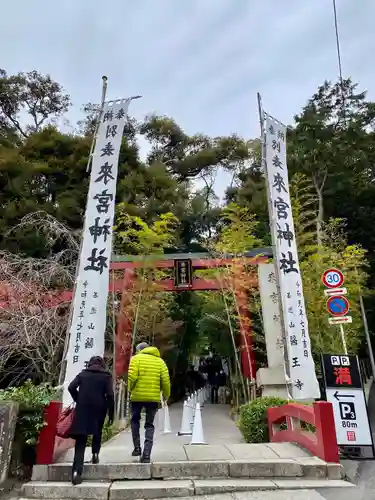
point(76, 478)
point(137, 452)
point(145, 459)
point(95, 458)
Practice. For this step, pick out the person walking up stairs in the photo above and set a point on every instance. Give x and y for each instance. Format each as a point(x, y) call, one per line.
point(148, 377)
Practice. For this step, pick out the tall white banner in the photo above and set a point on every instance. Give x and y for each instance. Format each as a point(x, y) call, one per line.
point(301, 364)
point(87, 332)
point(269, 299)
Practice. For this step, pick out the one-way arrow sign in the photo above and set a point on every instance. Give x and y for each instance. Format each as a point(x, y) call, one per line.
point(338, 396)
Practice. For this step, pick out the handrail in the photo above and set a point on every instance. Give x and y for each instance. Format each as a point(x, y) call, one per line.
point(322, 443)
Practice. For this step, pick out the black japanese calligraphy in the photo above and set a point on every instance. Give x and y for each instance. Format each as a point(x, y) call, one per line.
point(75, 359)
point(104, 200)
point(281, 208)
point(84, 294)
point(91, 326)
point(108, 116)
point(85, 284)
point(98, 261)
point(272, 278)
point(76, 348)
point(293, 340)
point(111, 131)
point(288, 295)
point(81, 314)
point(285, 234)
point(299, 384)
point(96, 230)
point(291, 324)
point(79, 326)
point(276, 318)
point(276, 146)
point(93, 310)
point(78, 337)
point(95, 295)
point(89, 343)
point(105, 174)
point(279, 183)
point(276, 162)
point(287, 263)
point(306, 353)
point(274, 297)
point(290, 310)
point(120, 114)
point(86, 364)
point(295, 362)
point(83, 304)
point(280, 135)
point(107, 150)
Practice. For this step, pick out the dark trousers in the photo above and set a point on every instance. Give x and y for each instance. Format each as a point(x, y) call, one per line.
point(214, 394)
point(151, 409)
point(80, 447)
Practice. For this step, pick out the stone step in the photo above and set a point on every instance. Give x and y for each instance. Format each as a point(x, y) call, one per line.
point(311, 467)
point(132, 490)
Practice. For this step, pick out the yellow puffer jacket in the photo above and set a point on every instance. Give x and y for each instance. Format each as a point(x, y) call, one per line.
point(148, 376)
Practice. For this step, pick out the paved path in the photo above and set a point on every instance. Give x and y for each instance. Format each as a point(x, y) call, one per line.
point(224, 442)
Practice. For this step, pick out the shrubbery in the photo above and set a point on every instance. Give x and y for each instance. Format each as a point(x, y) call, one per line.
point(253, 422)
point(32, 400)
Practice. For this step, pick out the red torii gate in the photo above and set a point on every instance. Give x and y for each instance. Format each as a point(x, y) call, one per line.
point(129, 264)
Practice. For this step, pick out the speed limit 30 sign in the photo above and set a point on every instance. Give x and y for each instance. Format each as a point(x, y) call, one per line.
point(332, 278)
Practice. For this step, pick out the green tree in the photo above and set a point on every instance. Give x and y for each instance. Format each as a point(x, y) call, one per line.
point(332, 250)
point(32, 94)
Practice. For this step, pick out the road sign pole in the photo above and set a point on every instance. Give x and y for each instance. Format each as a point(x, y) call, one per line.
point(343, 339)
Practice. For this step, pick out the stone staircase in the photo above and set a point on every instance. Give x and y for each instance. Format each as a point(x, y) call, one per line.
point(134, 481)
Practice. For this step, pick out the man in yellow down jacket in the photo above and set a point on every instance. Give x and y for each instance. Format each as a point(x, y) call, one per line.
point(148, 377)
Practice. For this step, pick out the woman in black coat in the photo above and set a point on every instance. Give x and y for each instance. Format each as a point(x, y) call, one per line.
point(92, 391)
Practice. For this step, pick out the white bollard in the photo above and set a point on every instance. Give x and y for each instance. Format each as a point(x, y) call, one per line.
point(187, 417)
point(167, 421)
point(197, 436)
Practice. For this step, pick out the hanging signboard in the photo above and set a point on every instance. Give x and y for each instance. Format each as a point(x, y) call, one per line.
point(86, 335)
point(301, 367)
point(343, 382)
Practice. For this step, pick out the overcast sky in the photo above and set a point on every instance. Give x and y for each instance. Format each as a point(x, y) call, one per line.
point(199, 61)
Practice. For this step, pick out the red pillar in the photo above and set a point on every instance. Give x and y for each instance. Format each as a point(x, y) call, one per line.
point(46, 443)
point(124, 329)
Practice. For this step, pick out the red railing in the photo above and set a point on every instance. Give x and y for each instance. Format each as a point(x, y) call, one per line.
point(321, 443)
point(50, 447)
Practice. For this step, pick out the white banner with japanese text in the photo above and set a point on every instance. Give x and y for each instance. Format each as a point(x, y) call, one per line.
point(89, 315)
point(269, 299)
point(301, 364)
